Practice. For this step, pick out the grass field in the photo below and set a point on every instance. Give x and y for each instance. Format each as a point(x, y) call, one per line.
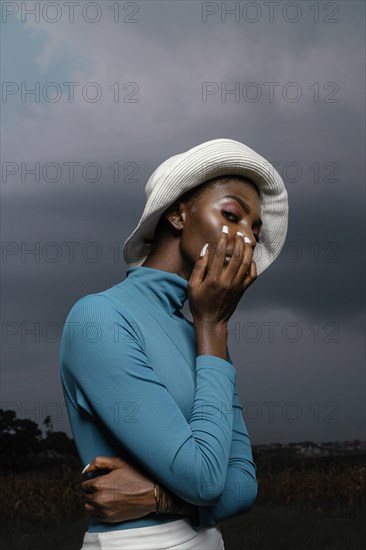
point(272, 527)
point(303, 509)
point(290, 527)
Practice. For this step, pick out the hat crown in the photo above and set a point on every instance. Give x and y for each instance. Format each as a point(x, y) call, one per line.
point(160, 174)
point(163, 171)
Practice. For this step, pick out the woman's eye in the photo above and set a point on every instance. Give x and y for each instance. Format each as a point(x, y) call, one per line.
point(234, 218)
point(228, 214)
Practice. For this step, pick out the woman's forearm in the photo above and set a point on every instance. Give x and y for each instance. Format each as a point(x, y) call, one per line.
point(126, 504)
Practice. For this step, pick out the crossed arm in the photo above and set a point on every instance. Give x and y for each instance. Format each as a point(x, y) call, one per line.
point(207, 460)
point(237, 498)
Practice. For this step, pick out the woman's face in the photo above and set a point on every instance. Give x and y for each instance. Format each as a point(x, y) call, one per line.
point(234, 203)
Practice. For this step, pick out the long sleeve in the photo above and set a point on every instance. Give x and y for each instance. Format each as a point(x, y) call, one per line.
point(104, 364)
point(241, 485)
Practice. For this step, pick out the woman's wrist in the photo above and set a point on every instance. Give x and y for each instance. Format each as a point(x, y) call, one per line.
point(211, 338)
point(167, 502)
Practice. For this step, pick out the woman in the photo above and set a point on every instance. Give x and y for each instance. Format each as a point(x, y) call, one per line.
point(151, 396)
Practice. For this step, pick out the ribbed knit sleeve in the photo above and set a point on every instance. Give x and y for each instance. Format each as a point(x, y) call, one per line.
point(241, 487)
point(104, 363)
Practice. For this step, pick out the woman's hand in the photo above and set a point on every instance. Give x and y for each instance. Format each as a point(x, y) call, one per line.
point(123, 494)
point(215, 286)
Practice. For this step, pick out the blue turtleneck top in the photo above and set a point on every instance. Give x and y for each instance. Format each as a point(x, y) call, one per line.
point(135, 388)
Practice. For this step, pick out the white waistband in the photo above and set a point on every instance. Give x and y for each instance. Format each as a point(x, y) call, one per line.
point(175, 534)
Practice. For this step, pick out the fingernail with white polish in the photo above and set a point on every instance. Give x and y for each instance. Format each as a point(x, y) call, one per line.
point(246, 240)
point(225, 229)
point(240, 233)
point(86, 467)
point(203, 251)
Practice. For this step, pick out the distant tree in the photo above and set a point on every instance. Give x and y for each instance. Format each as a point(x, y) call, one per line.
point(59, 442)
point(21, 434)
point(7, 421)
point(48, 423)
point(19, 440)
point(22, 443)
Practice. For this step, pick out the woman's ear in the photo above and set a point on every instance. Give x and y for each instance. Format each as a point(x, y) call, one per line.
point(176, 215)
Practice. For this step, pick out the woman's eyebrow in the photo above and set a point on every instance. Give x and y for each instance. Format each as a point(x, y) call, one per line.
point(245, 206)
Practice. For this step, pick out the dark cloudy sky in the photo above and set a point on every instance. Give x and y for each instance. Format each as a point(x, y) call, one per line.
point(154, 79)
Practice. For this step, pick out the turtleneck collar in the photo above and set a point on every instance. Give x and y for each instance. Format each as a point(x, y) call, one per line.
point(168, 288)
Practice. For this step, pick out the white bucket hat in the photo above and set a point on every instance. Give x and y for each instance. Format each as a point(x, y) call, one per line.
point(218, 157)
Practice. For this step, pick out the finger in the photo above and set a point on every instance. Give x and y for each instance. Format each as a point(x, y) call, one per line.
point(86, 468)
point(237, 257)
point(253, 271)
point(93, 502)
point(91, 509)
point(245, 266)
point(101, 463)
point(88, 496)
point(216, 265)
point(88, 486)
point(251, 274)
point(200, 266)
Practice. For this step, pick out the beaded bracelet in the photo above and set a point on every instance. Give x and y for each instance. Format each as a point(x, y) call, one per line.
point(166, 502)
point(156, 498)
